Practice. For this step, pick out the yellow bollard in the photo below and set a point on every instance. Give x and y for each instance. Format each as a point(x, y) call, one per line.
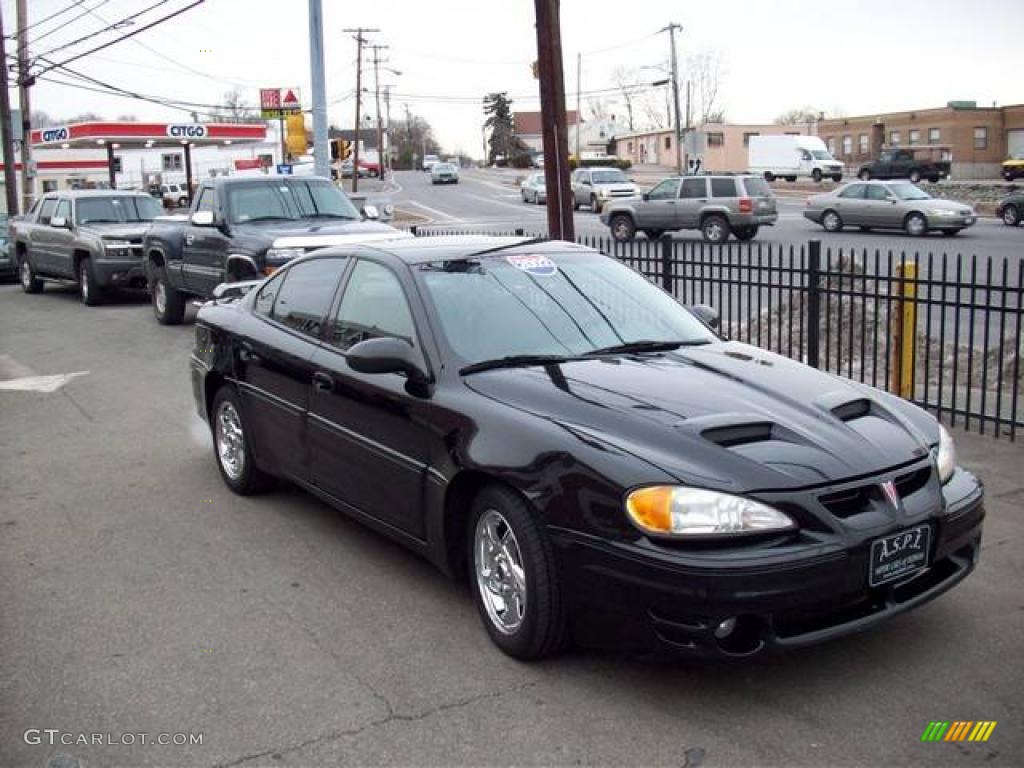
point(904, 332)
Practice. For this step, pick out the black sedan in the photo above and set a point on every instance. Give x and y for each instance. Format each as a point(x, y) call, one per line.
point(602, 465)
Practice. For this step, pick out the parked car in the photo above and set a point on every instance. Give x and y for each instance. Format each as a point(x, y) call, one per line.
point(174, 195)
point(246, 227)
point(596, 186)
point(716, 205)
point(1011, 209)
point(444, 173)
point(913, 163)
point(534, 189)
point(1013, 167)
point(888, 205)
point(600, 464)
point(791, 157)
point(348, 165)
point(90, 237)
point(8, 266)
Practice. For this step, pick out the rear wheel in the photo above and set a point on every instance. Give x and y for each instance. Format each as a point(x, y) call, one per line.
point(914, 175)
point(27, 276)
point(745, 233)
point(916, 225)
point(1011, 216)
point(715, 229)
point(769, 176)
point(513, 576)
point(595, 206)
point(933, 179)
point(837, 177)
point(653, 234)
point(231, 446)
point(623, 228)
point(90, 292)
point(168, 303)
point(816, 174)
point(791, 178)
point(832, 221)
point(864, 175)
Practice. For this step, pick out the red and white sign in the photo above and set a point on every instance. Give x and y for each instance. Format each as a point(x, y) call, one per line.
point(278, 102)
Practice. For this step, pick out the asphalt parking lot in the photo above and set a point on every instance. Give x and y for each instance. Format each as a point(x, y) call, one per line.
point(139, 595)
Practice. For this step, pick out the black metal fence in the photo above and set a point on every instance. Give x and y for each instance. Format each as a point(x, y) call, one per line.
point(943, 330)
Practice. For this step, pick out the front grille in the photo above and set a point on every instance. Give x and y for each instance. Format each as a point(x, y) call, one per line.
point(848, 502)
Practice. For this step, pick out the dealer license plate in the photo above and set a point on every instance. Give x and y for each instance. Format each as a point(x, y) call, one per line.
point(899, 555)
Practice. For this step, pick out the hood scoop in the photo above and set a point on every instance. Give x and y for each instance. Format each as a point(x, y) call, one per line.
point(854, 409)
point(739, 434)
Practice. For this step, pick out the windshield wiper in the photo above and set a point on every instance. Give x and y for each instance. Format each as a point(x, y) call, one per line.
point(266, 218)
point(514, 361)
point(646, 346)
point(321, 215)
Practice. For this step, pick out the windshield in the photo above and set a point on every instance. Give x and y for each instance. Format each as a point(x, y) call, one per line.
point(907, 191)
point(609, 177)
point(291, 199)
point(569, 304)
point(125, 209)
point(444, 167)
point(821, 154)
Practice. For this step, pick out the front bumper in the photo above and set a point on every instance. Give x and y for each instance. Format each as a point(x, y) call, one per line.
point(951, 222)
point(120, 273)
point(626, 595)
point(814, 216)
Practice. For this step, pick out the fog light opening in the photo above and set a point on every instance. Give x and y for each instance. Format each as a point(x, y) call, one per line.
point(740, 635)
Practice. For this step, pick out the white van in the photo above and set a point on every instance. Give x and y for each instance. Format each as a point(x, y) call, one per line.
point(792, 157)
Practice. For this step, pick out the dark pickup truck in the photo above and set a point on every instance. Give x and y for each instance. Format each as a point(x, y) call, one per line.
point(905, 164)
point(244, 228)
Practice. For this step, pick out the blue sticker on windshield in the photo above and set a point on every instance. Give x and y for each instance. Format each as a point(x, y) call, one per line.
point(538, 266)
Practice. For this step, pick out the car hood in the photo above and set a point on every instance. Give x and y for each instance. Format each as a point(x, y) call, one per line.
point(314, 233)
point(618, 186)
point(117, 231)
point(725, 415)
point(942, 205)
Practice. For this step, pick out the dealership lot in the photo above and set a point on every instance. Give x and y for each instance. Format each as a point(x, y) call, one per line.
point(140, 595)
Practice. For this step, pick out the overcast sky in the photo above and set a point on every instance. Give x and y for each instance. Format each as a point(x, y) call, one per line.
point(859, 56)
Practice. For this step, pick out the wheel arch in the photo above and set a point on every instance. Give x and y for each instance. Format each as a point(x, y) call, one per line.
point(77, 256)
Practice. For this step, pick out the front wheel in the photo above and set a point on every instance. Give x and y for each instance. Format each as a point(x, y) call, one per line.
point(837, 177)
point(513, 576)
point(715, 229)
point(231, 445)
point(769, 176)
point(90, 292)
point(595, 206)
point(743, 234)
point(622, 228)
point(914, 176)
point(168, 303)
point(832, 221)
point(816, 174)
point(864, 175)
point(916, 225)
point(27, 276)
point(1011, 216)
point(653, 234)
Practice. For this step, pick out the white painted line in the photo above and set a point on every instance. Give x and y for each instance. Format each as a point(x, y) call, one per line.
point(522, 207)
point(40, 383)
point(432, 211)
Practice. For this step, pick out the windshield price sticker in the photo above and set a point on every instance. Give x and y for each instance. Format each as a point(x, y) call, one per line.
point(538, 266)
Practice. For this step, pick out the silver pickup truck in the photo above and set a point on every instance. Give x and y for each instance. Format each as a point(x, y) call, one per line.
point(92, 238)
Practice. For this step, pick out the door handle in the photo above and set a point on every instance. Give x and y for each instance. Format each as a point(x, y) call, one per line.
point(189, 239)
point(246, 353)
point(323, 382)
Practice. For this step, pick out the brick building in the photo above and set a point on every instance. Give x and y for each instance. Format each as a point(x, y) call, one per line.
point(975, 139)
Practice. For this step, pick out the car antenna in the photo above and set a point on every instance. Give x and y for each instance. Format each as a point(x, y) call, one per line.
point(506, 246)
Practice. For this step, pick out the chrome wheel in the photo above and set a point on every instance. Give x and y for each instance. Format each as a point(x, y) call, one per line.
point(715, 230)
point(83, 282)
point(916, 225)
point(832, 222)
point(230, 440)
point(26, 274)
point(500, 576)
point(160, 297)
point(1011, 217)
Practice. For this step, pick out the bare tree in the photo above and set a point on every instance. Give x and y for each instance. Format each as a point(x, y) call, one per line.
point(236, 108)
point(628, 83)
point(704, 70)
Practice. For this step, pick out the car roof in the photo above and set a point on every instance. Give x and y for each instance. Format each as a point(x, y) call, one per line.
point(97, 193)
point(422, 250)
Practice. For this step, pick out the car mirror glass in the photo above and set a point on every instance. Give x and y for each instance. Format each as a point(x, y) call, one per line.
point(371, 212)
point(59, 222)
point(706, 314)
point(202, 219)
point(646, 196)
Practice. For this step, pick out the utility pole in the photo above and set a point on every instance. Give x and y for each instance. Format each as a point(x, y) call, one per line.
point(25, 82)
point(579, 68)
point(321, 150)
point(359, 97)
point(376, 94)
point(387, 125)
point(671, 29)
point(10, 174)
point(552, 108)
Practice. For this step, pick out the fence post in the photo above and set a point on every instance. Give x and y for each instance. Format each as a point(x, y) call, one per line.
point(519, 231)
point(415, 230)
point(667, 282)
point(904, 332)
point(813, 303)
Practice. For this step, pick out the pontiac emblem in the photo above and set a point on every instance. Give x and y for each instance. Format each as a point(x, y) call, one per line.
point(890, 492)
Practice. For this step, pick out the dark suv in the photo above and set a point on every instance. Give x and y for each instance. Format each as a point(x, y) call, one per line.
point(717, 205)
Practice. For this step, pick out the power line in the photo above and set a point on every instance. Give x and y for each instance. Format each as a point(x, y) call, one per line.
point(68, 23)
point(61, 12)
point(108, 28)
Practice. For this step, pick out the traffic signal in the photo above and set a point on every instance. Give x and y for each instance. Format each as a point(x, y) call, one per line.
point(341, 149)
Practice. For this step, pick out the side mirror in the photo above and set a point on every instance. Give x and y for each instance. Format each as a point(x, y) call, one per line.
point(202, 219)
point(385, 355)
point(60, 222)
point(706, 314)
point(645, 196)
point(371, 212)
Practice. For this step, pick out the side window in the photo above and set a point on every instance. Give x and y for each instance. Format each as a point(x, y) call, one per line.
point(64, 210)
point(302, 302)
point(694, 188)
point(206, 199)
point(46, 211)
point(877, 192)
point(853, 192)
point(374, 306)
point(664, 191)
point(723, 188)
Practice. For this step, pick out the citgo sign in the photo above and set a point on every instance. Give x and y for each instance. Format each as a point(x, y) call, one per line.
point(55, 134)
point(186, 131)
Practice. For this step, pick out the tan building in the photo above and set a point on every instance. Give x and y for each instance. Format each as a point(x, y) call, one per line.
point(975, 139)
point(725, 145)
point(528, 126)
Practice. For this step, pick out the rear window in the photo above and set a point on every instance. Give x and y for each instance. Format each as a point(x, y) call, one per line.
point(723, 188)
point(757, 187)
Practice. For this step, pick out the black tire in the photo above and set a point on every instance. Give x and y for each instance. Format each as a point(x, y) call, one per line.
point(622, 227)
point(864, 175)
point(1011, 215)
point(575, 203)
point(933, 179)
point(914, 176)
point(816, 175)
point(865, 229)
point(837, 177)
point(743, 234)
point(90, 292)
point(27, 276)
point(182, 202)
point(831, 221)
point(715, 229)
point(653, 234)
point(791, 179)
point(769, 176)
point(541, 629)
point(915, 224)
point(168, 302)
point(524, 197)
point(595, 206)
point(245, 478)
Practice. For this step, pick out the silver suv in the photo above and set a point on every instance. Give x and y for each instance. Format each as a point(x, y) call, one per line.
point(597, 186)
point(717, 205)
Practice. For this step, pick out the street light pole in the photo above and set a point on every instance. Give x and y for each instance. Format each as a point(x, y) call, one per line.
point(671, 29)
point(24, 82)
point(10, 175)
point(321, 150)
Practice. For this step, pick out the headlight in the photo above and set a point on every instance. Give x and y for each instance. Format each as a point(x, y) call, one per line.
point(279, 256)
point(942, 212)
point(389, 209)
point(945, 455)
point(692, 512)
point(117, 248)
